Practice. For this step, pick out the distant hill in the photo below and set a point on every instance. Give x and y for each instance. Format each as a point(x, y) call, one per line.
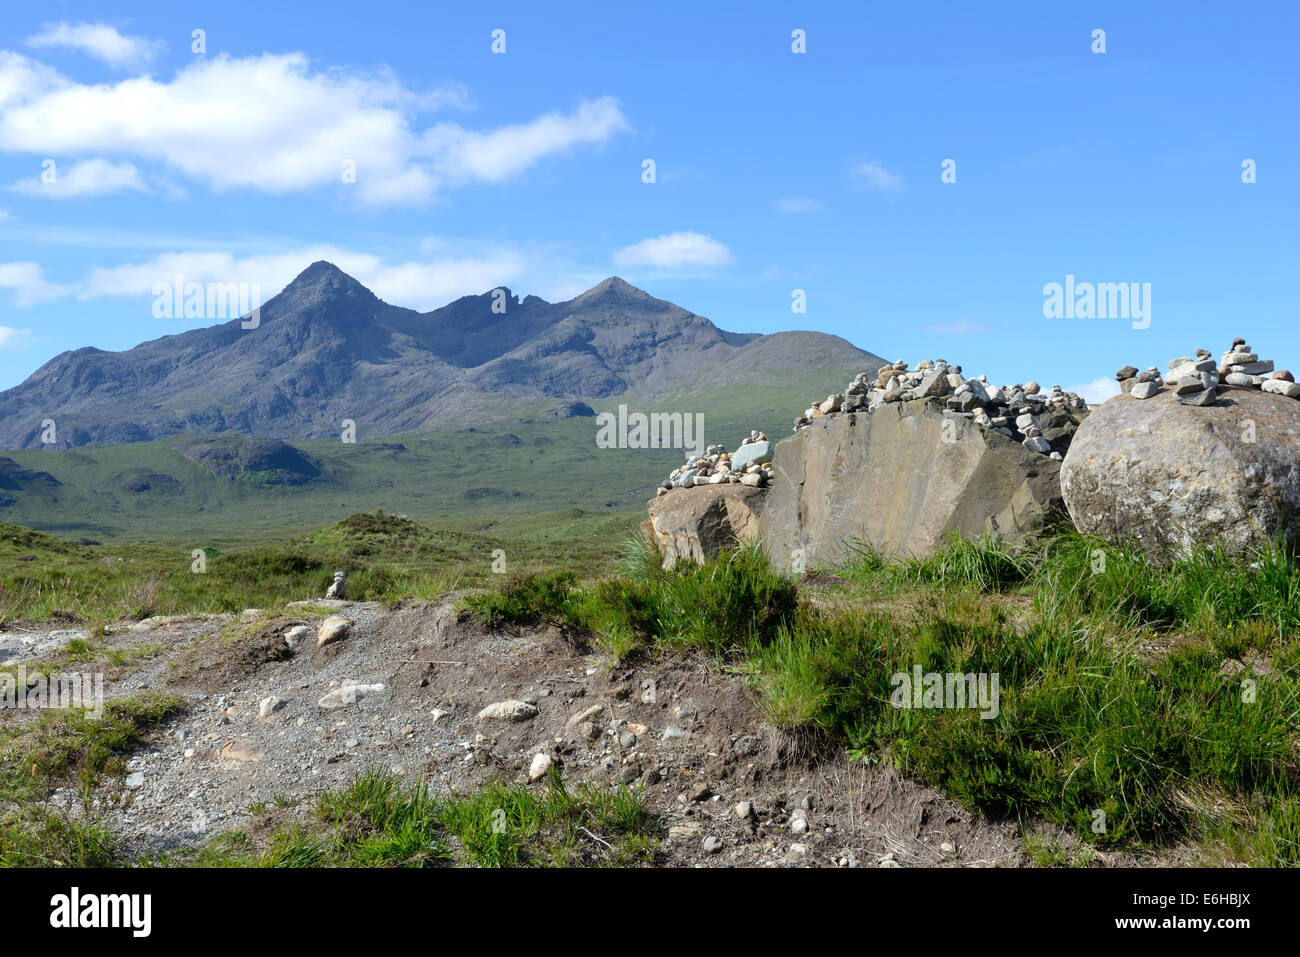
point(327, 349)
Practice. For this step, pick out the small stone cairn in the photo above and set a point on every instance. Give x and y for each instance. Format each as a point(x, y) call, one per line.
point(1012, 410)
point(751, 465)
point(337, 588)
point(1198, 381)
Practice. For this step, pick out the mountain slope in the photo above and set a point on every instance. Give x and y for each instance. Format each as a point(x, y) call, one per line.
point(327, 349)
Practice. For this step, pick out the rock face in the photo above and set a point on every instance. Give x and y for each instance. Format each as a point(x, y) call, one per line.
point(696, 523)
point(904, 478)
point(1172, 475)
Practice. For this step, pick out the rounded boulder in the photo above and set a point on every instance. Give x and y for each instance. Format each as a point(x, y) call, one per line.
point(1173, 476)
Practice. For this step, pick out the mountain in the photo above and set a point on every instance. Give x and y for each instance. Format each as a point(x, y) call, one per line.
point(327, 349)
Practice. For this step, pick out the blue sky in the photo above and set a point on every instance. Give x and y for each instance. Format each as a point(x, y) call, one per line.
point(775, 170)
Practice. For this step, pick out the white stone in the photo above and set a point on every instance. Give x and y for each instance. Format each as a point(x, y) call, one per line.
point(332, 629)
point(541, 764)
point(1281, 387)
point(347, 694)
point(507, 711)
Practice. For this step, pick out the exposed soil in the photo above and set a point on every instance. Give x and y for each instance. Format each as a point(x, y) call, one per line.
point(688, 733)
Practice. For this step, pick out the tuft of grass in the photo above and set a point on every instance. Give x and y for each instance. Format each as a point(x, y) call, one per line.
point(377, 821)
point(723, 606)
point(790, 680)
point(523, 598)
point(1204, 588)
point(986, 563)
point(68, 747)
point(36, 836)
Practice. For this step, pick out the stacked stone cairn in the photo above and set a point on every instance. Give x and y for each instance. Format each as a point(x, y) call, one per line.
point(1198, 381)
point(1016, 411)
point(751, 465)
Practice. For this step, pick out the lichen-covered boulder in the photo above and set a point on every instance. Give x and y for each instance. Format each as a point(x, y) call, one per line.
point(1173, 475)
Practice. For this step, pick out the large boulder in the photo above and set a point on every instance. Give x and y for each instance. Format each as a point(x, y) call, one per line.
point(695, 524)
point(903, 479)
point(1173, 475)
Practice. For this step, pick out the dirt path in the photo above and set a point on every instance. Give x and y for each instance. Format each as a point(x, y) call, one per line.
point(688, 733)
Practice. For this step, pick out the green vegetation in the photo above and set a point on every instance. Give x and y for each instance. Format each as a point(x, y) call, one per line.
point(523, 466)
point(1140, 705)
point(385, 558)
point(378, 821)
point(727, 605)
point(68, 748)
point(1125, 711)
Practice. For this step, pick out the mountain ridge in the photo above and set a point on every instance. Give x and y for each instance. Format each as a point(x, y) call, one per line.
point(326, 348)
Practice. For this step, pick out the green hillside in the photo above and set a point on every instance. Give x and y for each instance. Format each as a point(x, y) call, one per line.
point(151, 492)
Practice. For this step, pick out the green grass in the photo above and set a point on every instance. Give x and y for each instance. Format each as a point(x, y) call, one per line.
point(66, 745)
point(466, 476)
point(67, 748)
point(378, 821)
point(385, 558)
point(982, 563)
point(1112, 710)
point(1206, 590)
point(722, 606)
point(1161, 697)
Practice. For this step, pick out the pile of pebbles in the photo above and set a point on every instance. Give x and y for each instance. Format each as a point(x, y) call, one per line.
point(1198, 381)
point(751, 465)
point(1016, 411)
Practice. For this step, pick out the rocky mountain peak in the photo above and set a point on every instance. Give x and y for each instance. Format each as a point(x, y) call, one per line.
point(615, 290)
point(325, 282)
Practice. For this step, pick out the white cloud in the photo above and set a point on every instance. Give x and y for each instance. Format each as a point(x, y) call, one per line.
point(100, 41)
point(27, 282)
point(466, 155)
point(1097, 391)
point(443, 269)
point(4, 215)
point(272, 123)
point(877, 177)
point(22, 80)
point(798, 204)
point(11, 338)
point(958, 327)
point(675, 251)
point(416, 285)
point(92, 177)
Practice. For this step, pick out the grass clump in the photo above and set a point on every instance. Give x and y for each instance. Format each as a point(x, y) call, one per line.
point(1093, 730)
point(985, 563)
point(1205, 588)
point(378, 821)
point(722, 606)
point(63, 745)
point(523, 598)
point(67, 747)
